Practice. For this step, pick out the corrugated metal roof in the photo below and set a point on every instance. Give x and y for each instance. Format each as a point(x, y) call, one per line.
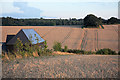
point(32, 35)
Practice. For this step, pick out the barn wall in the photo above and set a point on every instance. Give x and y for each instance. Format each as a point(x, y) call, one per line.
point(10, 48)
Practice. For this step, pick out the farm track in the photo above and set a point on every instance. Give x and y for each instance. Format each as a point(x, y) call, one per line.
point(96, 40)
point(67, 36)
point(79, 45)
point(84, 40)
point(77, 41)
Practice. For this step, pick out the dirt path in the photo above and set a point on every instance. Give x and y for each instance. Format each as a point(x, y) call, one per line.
point(67, 66)
point(82, 35)
point(78, 40)
point(96, 40)
point(84, 40)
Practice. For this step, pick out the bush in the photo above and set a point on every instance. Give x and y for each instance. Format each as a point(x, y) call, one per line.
point(88, 52)
point(45, 45)
point(19, 47)
point(11, 56)
point(48, 50)
point(43, 52)
point(57, 46)
point(28, 49)
point(75, 51)
point(65, 48)
point(106, 51)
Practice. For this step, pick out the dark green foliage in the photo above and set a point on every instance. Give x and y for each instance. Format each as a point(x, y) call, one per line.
point(91, 21)
point(11, 55)
point(42, 52)
point(65, 48)
point(45, 45)
point(19, 47)
point(8, 21)
point(28, 48)
point(119, 53)
point(76, 51)
point(101, 51)
point(106, 51)
point(113, 20)
point(57, 46)
point(49, 50)
point(88, 52)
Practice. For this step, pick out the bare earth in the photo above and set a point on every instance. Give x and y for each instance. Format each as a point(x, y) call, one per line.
point(65, 66)
point(74, 38)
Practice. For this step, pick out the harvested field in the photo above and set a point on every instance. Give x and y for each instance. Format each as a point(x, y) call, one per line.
point(66, 66)
point(74, 38)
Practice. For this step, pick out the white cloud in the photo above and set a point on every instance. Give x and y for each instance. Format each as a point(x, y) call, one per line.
point(7, 7)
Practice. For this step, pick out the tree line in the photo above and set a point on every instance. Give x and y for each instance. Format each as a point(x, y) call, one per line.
point(89, 20)
point(9, 21)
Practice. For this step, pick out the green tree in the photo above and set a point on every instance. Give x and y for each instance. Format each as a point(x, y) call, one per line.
point(91, 21)
point(112, 20)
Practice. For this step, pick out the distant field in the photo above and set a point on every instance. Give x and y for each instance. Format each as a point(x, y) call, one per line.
point(74, 38)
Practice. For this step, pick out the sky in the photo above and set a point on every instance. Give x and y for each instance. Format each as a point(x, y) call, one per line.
point(58, 8)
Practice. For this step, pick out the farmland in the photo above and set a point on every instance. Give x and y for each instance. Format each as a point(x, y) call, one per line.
point(75, 38)
point(67, 66)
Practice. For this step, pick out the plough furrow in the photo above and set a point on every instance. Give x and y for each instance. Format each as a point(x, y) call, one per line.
point(68, 35)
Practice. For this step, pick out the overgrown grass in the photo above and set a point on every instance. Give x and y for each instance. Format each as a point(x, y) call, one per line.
point(106, 51)
point(27, 50)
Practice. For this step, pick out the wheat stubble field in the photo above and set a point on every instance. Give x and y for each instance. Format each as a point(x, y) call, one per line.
point(74, 38)
point(66, 66)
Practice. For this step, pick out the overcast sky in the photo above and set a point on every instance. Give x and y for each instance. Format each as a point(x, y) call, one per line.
point(58, 8)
